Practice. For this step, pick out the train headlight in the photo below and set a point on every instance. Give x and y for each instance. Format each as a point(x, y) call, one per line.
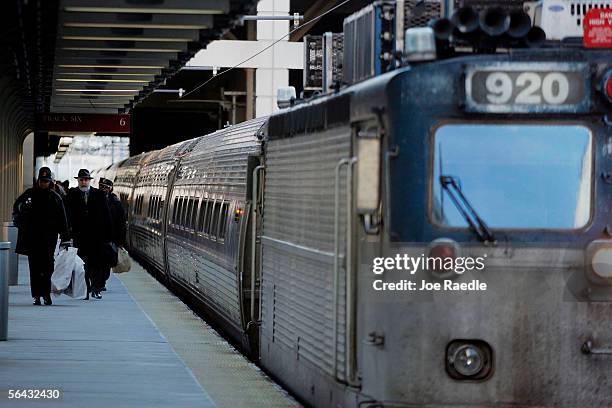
point(469, 360)
point(602, 263)
point(599, 262)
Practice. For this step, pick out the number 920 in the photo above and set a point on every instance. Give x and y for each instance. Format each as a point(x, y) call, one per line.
point(527, 88)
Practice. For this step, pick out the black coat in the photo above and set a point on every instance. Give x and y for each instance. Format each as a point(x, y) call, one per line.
point(118, 217)
point(40, 216)
point(91, 223)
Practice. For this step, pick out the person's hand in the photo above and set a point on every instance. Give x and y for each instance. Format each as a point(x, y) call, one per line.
point(66, 244)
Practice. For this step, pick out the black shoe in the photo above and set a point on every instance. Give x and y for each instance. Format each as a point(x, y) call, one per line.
point(48, 301)
point(103, 289)
point(96, 295)
point(36, 301)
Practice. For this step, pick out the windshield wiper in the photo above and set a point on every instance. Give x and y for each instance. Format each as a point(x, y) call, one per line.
point(449, 183)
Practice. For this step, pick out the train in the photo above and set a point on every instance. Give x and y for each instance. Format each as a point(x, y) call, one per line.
point(272, 226)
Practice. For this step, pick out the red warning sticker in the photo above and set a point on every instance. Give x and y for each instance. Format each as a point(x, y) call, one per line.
point(598, 28)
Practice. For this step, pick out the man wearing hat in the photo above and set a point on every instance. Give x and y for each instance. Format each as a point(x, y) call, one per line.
point(40, 216)
point(118, 220)
point(91, 229)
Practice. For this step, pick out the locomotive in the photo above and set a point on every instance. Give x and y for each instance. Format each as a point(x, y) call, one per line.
point(271, 225)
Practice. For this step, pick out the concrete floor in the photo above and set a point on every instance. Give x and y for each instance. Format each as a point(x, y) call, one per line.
point(137, 347)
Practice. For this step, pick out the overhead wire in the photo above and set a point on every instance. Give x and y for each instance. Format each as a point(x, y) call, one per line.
point(312, 20)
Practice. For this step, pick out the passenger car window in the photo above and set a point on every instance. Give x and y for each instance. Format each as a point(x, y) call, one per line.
point(189, 213)
point(160, 207)
point(194, 214)
point(175, 210)
point(214, 219)
point(223, 220)
point(202, 215)
point(181, 211)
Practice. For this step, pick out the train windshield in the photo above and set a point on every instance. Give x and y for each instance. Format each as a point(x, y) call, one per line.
point(514, 176)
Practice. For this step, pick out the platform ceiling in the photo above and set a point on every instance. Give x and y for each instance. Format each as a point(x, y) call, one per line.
point(96, 56)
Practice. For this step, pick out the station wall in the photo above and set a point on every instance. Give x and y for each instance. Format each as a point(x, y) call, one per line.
point(14, 127)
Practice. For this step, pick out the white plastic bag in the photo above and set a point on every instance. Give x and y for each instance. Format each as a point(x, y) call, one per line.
point(124, 263)
point(62, 273)
point(78, 287)
point(69, 274)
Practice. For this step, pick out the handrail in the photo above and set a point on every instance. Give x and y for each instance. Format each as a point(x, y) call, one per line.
point(339, 165)
point(255, 198)
point(350, 306)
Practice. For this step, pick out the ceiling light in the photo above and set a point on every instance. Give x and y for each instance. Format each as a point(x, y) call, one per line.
point(99, 90)
point(65, 105)
point(112, 66)
point(111, 49)
point(136, 81)
point(119, 74)
point(139, 25)
point(109, 38)
point(85, 97)
point(89, 96)
point(142, 10)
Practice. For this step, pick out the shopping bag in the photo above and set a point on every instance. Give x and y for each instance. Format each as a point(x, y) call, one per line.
point(62, 272)
point(77, 287)
point(124, 263)
point(68, 274)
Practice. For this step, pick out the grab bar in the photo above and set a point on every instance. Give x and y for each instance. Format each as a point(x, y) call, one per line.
point(342, 162)
point(351, 340)
point(255, 199)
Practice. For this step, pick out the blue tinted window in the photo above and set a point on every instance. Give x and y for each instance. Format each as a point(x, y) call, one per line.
point(515, 176)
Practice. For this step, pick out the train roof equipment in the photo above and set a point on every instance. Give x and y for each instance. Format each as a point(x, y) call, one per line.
point(387, 34)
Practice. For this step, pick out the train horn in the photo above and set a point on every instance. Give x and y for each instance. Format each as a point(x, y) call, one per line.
point(494, 21)
point(466, 20)
point(443, 28)
point(535, 37)
point(520, 24)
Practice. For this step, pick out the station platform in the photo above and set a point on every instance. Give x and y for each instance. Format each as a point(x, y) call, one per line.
point(139, 346)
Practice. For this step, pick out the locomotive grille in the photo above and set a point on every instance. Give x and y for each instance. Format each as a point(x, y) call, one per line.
point(309, 118)
point(417, 13)
point(479, 5)
point(332, 60)
point(313, 62)
point(579, 9)
point(565, 19)
point(368, 44)
point(298, 246)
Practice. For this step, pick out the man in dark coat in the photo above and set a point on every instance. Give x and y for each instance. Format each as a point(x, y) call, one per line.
point(91, 230)
point(118, 219)
point(40, 216)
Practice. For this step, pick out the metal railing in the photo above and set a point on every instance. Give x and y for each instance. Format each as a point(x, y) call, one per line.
point(9, 234)
point(5, 249)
